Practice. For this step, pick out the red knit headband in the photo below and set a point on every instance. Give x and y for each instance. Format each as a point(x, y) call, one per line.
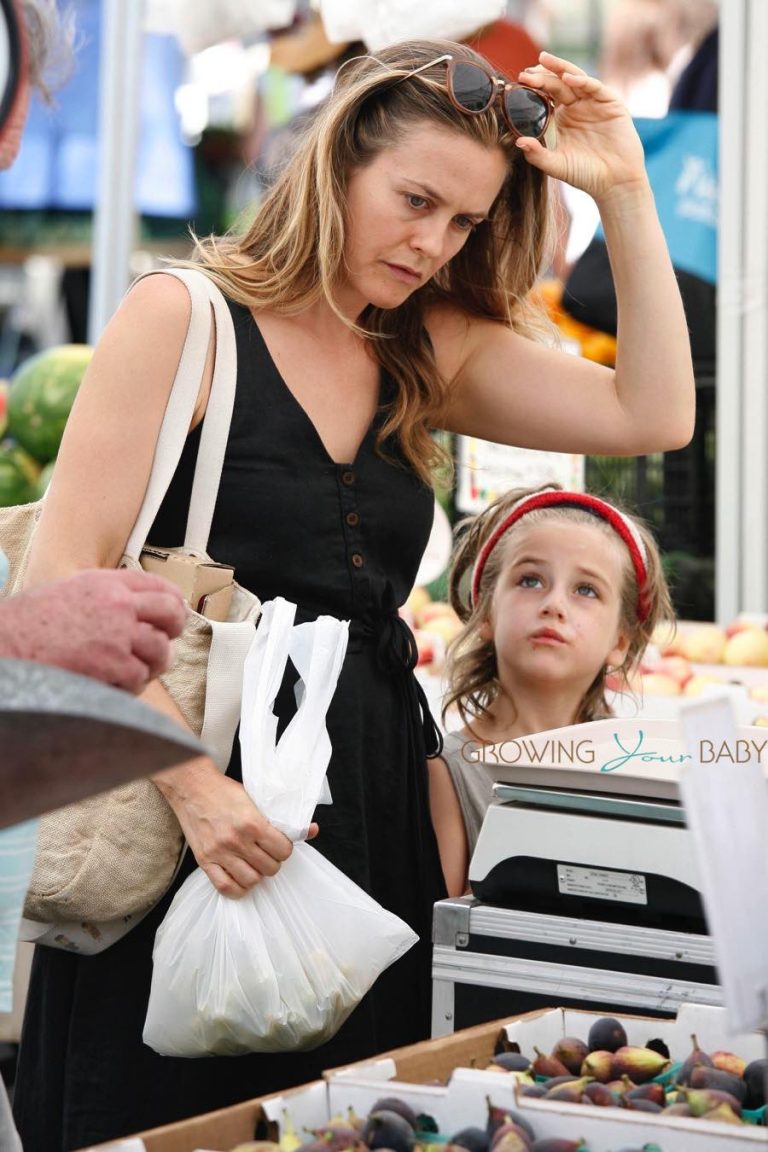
point(554, 497)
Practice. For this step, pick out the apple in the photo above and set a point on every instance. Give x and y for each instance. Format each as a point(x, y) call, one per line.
point(704, 644)
point(446, 626)
point(699, 681)
point(433, 610)
point(667, 639)
point(429, 647)
point(675, 666)
point(746, 620)
point(749, 648)
point(658, 684)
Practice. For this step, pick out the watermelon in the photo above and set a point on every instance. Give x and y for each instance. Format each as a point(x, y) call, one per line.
point(42, 391)
point(45, 478)
point(19, 475)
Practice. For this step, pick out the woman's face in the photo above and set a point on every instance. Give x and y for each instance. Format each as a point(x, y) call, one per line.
point(411, 209)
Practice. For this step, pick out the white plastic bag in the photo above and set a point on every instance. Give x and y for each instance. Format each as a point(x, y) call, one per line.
point(283, 967)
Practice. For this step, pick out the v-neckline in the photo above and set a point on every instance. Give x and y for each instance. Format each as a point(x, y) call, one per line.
point(305, 415)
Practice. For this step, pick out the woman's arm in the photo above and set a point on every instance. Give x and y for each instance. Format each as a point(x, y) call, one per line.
point(509, 389)
point(449, 827)
point(101, 475)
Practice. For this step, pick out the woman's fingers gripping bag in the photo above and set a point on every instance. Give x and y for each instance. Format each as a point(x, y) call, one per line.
point(284, 966)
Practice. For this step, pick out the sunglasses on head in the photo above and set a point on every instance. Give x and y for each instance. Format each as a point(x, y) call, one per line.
point(473, 88)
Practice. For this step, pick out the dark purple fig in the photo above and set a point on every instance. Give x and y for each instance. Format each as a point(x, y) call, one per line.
point(696, 1057)
point(703, 1077)
point(641, 1105)
point(556, 1080)
point(597, 1093)
point(473, 1139)
point(395, 1104)
point(387, 1129)
point(571, 1052)
point(512, 1061)
point(651, 1091)
point(338, 1137)
point(754, 1077)
point(536, 1090)
point(606, 1035)
point(521, 1121)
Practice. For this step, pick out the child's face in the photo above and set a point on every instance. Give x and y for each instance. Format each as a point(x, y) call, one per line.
point(555, 612)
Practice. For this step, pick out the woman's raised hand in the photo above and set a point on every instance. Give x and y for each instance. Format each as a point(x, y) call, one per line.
point(597, 148)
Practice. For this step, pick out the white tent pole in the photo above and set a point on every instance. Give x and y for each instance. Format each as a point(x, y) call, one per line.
point(730, 558)
point(755, 319)
point(114, 214)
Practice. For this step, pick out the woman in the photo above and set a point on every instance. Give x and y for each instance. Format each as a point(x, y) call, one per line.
point(380, 291)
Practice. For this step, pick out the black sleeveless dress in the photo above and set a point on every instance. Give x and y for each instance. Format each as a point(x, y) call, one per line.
point(342, 539)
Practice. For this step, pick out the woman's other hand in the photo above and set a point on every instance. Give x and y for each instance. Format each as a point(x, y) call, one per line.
point(597, 147)
point(234, 844)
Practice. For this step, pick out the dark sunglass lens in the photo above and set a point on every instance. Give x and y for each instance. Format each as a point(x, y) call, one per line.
point(472, 88)
point(527, 110)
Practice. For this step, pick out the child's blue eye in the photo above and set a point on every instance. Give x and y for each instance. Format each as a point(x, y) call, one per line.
point(411, 197)
point(530, 581)
point(586, 590)
point(464, 223)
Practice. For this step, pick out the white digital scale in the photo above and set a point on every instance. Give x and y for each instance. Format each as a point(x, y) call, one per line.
point(584, 884)
point(588, 817)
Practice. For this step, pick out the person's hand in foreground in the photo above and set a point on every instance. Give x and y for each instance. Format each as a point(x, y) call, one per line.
point(115, 626)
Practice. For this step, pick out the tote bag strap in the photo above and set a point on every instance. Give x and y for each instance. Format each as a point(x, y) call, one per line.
point(204, 296)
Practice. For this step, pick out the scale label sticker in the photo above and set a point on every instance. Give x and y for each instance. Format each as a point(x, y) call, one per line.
point(600, 884)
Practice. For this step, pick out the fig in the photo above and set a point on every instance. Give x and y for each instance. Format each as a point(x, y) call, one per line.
point(558, 1144)
point(513, 1140)
point(659, 1046)
point(702, 1100)
point(599, 1094)
point(387, 1129)
point(677, 1109)
point(510, 1128)
point(640, 1064)
point(754, 1076)
point(496, 1117)
point(536, 1090)
point(606, 1034)
point(641, 1105)
point(473, 1139)
point(724, 1114)
point(703, 1077)
point(548, 1066)
point(395, 1104)
point(651, 1091)
point(572, 1091)
point(697, 1056)
point(512, 1062)
point(571, 1052)
point(599, 1065)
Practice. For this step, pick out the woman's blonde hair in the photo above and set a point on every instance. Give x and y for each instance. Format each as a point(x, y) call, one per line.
point(472, 671)
point(293, 253)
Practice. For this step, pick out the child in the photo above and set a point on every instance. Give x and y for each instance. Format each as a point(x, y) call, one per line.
point(564, 589)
